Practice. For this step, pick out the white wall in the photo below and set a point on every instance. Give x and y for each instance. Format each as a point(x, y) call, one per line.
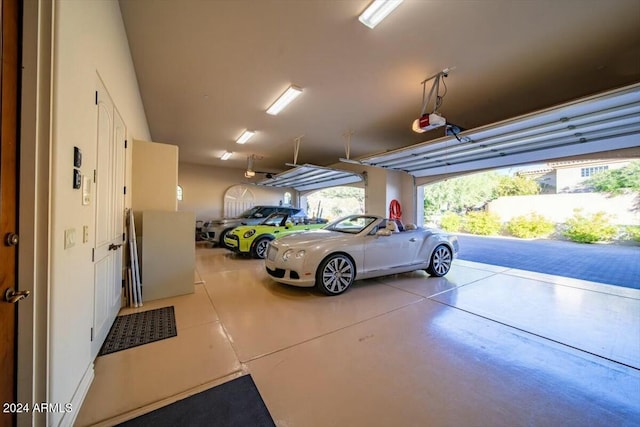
point(383, 186)
point(203, 189)
point(409, 200)
point(89, 38)
point(375, 192)
point(560, 207)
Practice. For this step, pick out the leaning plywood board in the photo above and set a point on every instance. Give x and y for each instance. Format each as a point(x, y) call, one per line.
point(135, 268)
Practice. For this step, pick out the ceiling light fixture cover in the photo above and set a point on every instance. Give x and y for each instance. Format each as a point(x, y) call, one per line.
point(226, 156)
point(285, 99)
point(377, 11)
point(246, 135)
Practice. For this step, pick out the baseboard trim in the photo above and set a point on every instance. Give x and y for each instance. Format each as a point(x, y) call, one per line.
point(69, 418)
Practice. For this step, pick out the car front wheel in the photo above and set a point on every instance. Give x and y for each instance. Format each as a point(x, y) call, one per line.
point(440, 263)
point(259, 249)
point(222, 236)
point(335, 275)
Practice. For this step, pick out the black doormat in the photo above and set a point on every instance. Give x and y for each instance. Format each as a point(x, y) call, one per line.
point(236, 403)
point(140, 328)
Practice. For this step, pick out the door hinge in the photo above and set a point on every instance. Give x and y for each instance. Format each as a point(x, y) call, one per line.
point(125, 143)
point(125, 189)
point(123, 237)
point(96, 97)
point(95, 176)
point(91, 334)
point(93, 254)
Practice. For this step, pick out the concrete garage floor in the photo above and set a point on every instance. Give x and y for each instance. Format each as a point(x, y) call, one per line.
point(483, 346)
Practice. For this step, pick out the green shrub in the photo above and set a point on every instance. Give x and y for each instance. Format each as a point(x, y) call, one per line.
point(451, 222)
point(483, 223)
point(589, 228)
point(633, 231)
point(529, 226)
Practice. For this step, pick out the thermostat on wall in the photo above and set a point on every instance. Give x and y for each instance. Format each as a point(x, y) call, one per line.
point(77, 157)
point(76, 179)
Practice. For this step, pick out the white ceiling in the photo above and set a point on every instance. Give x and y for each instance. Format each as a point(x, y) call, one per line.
point(208, 69)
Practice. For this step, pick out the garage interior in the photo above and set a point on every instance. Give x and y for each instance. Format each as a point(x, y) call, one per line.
point(485, 345)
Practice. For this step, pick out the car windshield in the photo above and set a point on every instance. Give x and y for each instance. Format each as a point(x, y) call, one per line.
point(249, 212)
point(274, 219)
point(350, 224)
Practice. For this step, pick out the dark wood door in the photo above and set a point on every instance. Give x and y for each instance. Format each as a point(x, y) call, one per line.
point(10, 25)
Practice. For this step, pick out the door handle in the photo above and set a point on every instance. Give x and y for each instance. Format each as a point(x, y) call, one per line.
point(412, 239)
point(12, 296)
point(113, 247)
point(11, 239)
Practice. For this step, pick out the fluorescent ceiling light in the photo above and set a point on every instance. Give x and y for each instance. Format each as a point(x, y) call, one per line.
point(285, 99)
point(246, 135)
point(226, 155)
point(377, 11)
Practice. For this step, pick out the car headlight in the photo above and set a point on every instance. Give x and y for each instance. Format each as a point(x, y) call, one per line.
point(249, 233)
point(290, 252)
point(287, 254)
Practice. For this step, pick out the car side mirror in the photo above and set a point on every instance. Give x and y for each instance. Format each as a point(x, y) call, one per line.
point(383, 232)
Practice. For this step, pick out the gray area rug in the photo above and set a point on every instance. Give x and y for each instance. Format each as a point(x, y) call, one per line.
point(141, 328)
point(236, 403)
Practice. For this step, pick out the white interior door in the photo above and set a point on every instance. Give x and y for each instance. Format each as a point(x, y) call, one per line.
point(109, 211)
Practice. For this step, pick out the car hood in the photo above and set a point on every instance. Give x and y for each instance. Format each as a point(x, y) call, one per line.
point(229, 221)
point(312, 237)
point(242, 228)
point(225, 220)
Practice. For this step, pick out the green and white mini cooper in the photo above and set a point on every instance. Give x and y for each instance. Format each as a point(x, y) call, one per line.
point(254, 239)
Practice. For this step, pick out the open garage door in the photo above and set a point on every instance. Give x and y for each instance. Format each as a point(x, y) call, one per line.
point(310, 177)
point(604, 122)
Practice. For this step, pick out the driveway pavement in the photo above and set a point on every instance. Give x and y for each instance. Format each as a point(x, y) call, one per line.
point(604, 263)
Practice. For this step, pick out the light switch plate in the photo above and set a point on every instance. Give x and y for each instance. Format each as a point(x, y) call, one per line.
point(69, 238)
point(86, 190)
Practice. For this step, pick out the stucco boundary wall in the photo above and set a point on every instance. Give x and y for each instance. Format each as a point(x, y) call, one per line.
point(623, 209)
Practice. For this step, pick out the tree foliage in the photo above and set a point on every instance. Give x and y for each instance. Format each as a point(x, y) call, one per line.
point(482, 223)
point(459, 194)
point(633, 232)
point(589, 228)
point(336, 202)
point(615, 181)
point(465, 193)
point(529, 226)
point(516, 186)
point(451, 222)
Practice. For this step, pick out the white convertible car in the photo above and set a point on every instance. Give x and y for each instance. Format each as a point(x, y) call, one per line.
point(358, 247)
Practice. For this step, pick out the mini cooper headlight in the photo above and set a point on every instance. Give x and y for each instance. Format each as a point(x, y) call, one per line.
point(249, 233)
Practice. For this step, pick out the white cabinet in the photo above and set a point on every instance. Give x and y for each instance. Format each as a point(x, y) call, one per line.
point(166, 241)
